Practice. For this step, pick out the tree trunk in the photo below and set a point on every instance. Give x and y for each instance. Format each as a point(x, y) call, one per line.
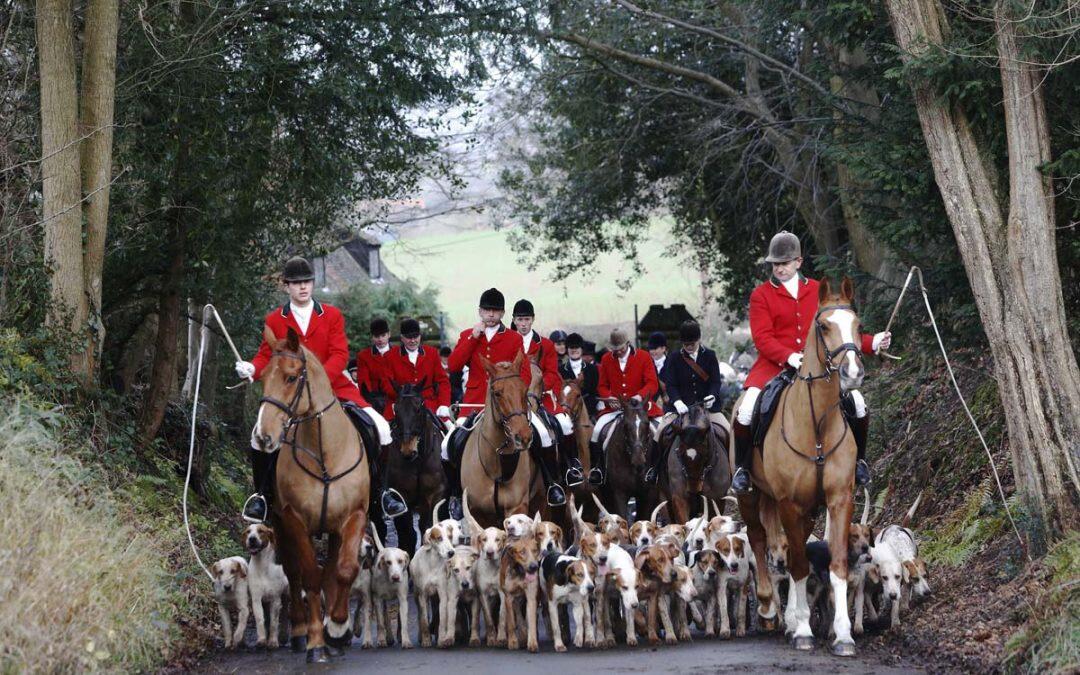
point(1011, 264)
point(61, 185)
point(193, 340)
point(97, 103)
point(164, 375)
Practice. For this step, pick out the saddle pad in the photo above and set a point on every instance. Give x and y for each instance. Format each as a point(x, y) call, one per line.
point(765, 406)
point(605, 432)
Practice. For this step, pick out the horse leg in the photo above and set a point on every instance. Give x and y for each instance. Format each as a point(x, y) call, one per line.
point(298, 541)
point(791, 516)
point(406, 534)
point(749, 507)
point(680, 508)
point(346, 565)
point(840, 508)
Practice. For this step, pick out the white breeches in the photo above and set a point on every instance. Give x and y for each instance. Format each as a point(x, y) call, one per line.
point(565, 422)
point(746, 408)
point(602, 422)
point(541, 430)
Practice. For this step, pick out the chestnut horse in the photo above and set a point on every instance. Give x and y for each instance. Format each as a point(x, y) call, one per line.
point(808, 460)
point(322, 486)
point(697, 464)
point(496, 468)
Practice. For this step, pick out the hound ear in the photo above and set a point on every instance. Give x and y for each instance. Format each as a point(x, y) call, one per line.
point(269, 337)
point(874, 573)
point(905, 572)
point(292, 341)
point(536, 519)
point(241, 571)
point(847, 289)
point(824, 290)
point(560, 572)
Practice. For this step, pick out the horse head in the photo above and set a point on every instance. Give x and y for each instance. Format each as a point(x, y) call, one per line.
point(287, 391)
point(508, 400)
point(836, 331)
point(694, 451)
point(636, 430)
point(409, 416)
point(571, 395)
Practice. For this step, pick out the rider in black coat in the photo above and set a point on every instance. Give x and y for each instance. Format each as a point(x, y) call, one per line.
point(574, 364)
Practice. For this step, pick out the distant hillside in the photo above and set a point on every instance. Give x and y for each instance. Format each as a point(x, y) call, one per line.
point(462, 265)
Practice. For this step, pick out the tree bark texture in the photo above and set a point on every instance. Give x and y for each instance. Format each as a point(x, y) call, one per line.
point(61, 182)
point(1010, 262)
point(96, 108)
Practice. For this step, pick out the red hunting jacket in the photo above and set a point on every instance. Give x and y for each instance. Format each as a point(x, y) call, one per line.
point(780, 325)
point(549, 366)
point(371, 371)
point(639, 379)
point(428, 369)
point(325, 338)
point(504, 346)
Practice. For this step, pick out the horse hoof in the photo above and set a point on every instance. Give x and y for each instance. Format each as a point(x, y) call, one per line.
point(843, 649)
point(298, 644)
point(803, 643)
point(338, 643)
point(317, 655)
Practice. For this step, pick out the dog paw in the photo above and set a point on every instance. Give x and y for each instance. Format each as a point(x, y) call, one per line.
point(685, 636)
point(407, 645)
point(446, 643)
point(671, 640)
point(474, 642)
point(512, 645)
point(560, 648)
point(382, 643)
point(367, 644)
point(425, 642)
point(534, 647)
point(631, 642)
point(857, 629)
point(272, 644)
point(724, 635)
point(741, 632)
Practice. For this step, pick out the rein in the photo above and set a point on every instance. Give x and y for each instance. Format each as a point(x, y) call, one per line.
point(292, 426)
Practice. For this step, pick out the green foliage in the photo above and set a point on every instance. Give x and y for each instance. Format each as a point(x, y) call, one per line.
point(1050, 642)
point(978, 522)
point(393, 302)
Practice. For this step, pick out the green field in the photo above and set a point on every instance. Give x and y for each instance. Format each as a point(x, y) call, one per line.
point(462, 265)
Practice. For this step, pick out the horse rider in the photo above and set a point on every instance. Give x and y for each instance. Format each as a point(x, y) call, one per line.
point(543, 350)
point(782, 311)
point(576, 365)
point(588, 352)
point(625, 373)
point(658, 353)
point(322, 330)
point(558, 338)
point(370, 366)
point(691, 376)
point(414, 364)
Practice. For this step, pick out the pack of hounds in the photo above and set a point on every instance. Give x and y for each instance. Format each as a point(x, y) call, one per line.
point(616, 580)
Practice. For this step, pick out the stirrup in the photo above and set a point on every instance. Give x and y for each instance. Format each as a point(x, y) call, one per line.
point(253, 507)
point(652, 475)
point(862, 473)
point(743, 486)
point(453, 506)
point(392, 503)
point(574, 475)
point(596, 476)
point(558, 498)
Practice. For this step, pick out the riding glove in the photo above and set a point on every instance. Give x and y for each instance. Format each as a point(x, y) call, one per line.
point(680, 407)
point(245, 369)
point(442, 411)
point(795, 360)
point(881, 341)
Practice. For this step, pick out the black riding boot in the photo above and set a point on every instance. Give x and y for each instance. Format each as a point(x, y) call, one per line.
point(257, 506)
point(744, 446)
point(555, 494)
point(596, 460)
point(656, 458)
point(453, 486)
point(860, 426)
point(393, 504)
point(391, 501)
point(575, 473)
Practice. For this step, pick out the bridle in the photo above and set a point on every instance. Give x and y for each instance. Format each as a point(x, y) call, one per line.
point(830, 354)
point(292, 427)
point(625, 421)
point(710, 443)
point(503, 419)
point(422, 411)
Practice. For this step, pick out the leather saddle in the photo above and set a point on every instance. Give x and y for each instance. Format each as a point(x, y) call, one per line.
point(765, 406)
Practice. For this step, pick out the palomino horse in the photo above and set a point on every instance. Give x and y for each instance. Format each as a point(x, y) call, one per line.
point(322, 486)
point(697, 464)
point(626, 458)
point(496, 468)
point(413, 462)
point(808, 459)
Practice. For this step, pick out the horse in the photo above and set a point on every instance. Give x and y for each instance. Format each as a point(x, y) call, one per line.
point(626, 457)
point(496, 468)
point(322, 487)
point(414, 464)
point(574, 402)
point(807, 460)
point(696, 464)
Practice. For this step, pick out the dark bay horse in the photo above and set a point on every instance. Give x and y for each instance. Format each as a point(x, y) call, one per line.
point(626, 456)
point(414, 464)
point(808, 460)
point(300, 415)
point(697, 463)
point(496, 468)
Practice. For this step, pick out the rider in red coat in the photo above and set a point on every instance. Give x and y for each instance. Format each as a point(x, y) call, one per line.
point(782, 312)
point(625, 372)
point(412, 363)
point(371, 372)
point(543, 350)
point(322, 331)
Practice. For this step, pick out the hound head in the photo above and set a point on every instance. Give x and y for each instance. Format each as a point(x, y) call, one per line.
point(394, 563)
point(258, 537)
point(227, 574)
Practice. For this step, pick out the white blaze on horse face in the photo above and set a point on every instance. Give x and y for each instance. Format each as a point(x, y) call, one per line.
point(845, 320)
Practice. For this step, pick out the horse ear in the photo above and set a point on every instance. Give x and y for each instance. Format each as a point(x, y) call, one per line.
point(269, 336)
point(517, 360)
point(847, 289)
point(292, 341)
point(824, 290)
